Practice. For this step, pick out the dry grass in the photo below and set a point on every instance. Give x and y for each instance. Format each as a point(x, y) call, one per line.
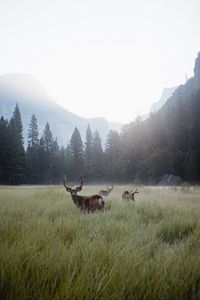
point(143, 250)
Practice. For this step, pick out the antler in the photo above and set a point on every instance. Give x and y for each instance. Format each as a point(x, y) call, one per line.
point(79, 188)
point(136, 192)
point(68, 189)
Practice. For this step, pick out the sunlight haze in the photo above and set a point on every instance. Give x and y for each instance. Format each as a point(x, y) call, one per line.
point(108, 58)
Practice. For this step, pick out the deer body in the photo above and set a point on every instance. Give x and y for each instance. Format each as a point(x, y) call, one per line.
point(86, 203)
point(126, 195)
point(129, 195)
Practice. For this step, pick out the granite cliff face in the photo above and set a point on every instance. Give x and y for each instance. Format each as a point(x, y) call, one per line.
point(169, 95)
point(166, 94)
point(192, 86)
point(197, 73)
point(33, 99)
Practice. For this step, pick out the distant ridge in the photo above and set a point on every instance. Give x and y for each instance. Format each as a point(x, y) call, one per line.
point(32, 98)
point(166, 94)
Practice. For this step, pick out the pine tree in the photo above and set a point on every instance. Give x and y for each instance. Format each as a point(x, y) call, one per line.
point(112, 156)
point(17, 161)
point(88, 153)
point(32, 152)
point(48, 149)
point(42, 162)
point(57, 164)
point(33, 135)
point(4, 151)
point(97, 158)
point(76, 149)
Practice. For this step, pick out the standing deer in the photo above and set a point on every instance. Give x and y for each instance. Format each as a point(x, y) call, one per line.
point(85, 203)
point(129, 195)
point(106, 192)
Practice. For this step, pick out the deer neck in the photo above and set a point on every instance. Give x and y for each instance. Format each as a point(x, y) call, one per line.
point(76, 198)
point(132, 197)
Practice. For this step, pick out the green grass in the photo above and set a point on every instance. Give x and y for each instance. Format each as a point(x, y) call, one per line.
point(149, 249)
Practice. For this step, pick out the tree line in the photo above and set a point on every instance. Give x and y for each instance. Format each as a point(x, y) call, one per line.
point(168, 142)
point(44, 161)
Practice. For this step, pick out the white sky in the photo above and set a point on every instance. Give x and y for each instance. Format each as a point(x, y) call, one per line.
point(105, 58)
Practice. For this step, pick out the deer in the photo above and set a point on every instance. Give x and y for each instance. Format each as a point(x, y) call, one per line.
point(129, 195)
point(85, 203)
point(106, 192)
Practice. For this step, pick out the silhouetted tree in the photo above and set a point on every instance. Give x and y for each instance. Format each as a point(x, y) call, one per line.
point(76, 152)
point(88, 153)
point(32, 152)
point(17, 158)
point(97, 162)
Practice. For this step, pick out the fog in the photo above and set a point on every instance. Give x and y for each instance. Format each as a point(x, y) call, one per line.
point(101, 58)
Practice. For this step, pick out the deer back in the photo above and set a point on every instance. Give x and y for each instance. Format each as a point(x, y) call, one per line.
point(89, 203)
point(126, 195)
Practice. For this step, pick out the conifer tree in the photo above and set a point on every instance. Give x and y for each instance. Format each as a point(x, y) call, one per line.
point(48, 150)
point(88, 153)
point(17, 160)
point(112, 156)
point(33, 135)
point(32, 152)
point(4, 151)
point(97, 158)
point(76, 150)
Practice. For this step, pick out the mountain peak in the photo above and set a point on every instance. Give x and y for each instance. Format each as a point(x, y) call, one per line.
point(31, 97)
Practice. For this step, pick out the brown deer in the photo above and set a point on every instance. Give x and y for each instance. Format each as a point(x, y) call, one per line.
point(129, 195)
point(106, 192)
point(85, 203)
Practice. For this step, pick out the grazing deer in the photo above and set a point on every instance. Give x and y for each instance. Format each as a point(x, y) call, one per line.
point(85, 203)
point(106, 192)
point(129, 195)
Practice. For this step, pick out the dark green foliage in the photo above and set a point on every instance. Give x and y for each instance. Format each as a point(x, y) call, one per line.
point(17, 153)
point(97, 163)
point(4, 151)
point(76, 152)
point(32, 152)
point(114, 168)
point(88, 153)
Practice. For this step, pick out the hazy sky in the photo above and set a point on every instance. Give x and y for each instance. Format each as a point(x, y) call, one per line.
point(101, 58)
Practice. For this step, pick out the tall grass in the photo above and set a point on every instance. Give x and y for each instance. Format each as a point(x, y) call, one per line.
point(149, 249)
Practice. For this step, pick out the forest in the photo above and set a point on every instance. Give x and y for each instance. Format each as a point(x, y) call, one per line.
point(168, 142)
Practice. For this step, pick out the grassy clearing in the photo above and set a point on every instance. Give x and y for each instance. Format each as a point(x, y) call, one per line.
point(144, 250)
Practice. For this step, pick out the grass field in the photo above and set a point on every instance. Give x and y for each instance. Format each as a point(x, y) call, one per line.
point(149, 249)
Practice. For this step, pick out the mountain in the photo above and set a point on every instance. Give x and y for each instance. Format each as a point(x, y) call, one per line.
point(166, 94)
point(33, 99)
point(186, 92)
point(168, 141)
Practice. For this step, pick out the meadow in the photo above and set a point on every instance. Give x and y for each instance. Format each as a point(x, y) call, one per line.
point(149, 249)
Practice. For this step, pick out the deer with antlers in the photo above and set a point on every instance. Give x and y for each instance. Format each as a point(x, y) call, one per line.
point(106, 192)
point(85, 203)
point(129, 195)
